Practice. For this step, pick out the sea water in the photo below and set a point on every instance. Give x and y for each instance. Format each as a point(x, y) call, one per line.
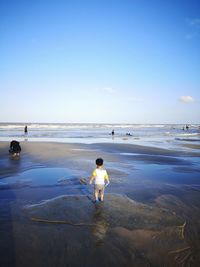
point(152, 134)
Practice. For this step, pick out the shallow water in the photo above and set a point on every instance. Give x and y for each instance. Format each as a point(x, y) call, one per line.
point(132, 168)
point(40, 177)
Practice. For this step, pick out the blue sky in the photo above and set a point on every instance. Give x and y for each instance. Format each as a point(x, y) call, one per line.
point(126, 61)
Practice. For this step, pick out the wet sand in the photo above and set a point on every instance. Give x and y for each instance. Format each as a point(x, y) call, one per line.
point(150, 216)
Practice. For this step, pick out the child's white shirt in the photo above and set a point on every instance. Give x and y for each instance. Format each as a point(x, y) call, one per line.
point(100, 176)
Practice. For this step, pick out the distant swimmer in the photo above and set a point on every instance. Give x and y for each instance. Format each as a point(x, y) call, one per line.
point(26, 130)
point(113, 133)
point(187, 127)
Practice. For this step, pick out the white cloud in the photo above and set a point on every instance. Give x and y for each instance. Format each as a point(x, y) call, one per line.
point(194, 28)
point(191, 35)
point(187, 99)
point(195, 22)
point(108, 90)
point(134, 99)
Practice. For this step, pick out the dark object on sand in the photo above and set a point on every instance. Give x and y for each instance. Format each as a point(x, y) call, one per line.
point(15, 148)
point(83, 181)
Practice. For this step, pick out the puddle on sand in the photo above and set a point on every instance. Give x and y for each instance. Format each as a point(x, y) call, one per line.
point(40, 177)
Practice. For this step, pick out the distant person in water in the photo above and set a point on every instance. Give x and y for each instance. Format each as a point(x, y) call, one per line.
point(26, 130)
point(113, 132)
point(101, 180)
point(187, 127)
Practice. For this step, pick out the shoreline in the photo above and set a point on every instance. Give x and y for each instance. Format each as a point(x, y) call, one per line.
point(81, 156)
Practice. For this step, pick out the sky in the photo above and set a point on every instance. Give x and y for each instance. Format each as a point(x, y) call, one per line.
point(100, 61)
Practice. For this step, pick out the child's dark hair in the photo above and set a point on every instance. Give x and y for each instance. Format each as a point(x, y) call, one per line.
point(99, 162)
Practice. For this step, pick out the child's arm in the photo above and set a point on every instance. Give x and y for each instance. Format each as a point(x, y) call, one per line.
point(107, 179)
point(91, 178)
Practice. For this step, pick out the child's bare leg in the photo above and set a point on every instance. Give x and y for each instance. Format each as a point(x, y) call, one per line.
point(102, 195)
point(96, 193)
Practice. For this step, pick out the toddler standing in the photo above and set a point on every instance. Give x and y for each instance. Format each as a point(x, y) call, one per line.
point(101, 179)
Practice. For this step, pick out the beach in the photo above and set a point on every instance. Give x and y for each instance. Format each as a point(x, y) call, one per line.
point(150, 216)
point(86, 82)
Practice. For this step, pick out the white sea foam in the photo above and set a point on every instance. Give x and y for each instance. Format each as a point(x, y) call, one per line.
point(189, 134)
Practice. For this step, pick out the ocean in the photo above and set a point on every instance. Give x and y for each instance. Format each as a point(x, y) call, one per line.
point(156, 134)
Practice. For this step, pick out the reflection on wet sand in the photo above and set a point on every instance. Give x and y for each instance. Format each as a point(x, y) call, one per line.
point(101, 225)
